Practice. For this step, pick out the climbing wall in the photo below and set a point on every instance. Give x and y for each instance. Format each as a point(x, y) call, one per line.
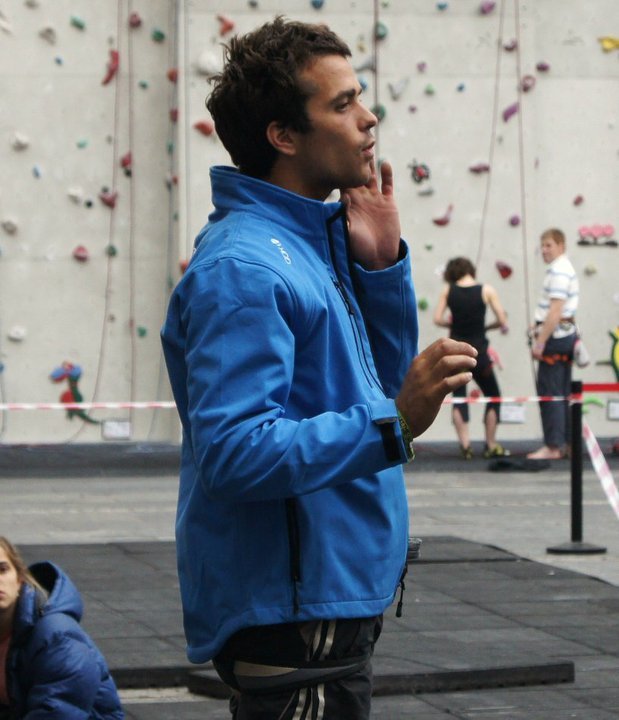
point(88, 243)
point(499, 118)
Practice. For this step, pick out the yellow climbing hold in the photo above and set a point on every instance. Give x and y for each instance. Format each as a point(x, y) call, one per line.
point(609, 43)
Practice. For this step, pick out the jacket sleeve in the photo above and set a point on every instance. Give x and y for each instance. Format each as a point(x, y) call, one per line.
point(64, 673)
point(242, 332)
point(388, 304)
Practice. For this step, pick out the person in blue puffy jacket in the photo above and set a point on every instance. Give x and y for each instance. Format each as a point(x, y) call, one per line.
point(49, 667)
point(291, 344)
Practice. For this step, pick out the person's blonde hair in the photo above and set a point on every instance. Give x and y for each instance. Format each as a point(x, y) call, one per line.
point(555, 234)
point(23, 573)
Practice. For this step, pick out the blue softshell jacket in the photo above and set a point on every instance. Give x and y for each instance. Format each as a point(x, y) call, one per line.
point(54, 669)
point(284, 359)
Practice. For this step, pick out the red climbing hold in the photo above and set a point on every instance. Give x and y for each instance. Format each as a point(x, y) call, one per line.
point(135, 20)
point(225, 24)
point(172, 74)
point(112, 67)
point(108, 198)
point(206, 127)
point(173, 114)
point(81, 253)
point(479, 168)
point(504, 269)
point(578, 200)
point(444, 220)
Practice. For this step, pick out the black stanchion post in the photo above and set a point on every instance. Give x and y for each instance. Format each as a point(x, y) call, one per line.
point(576, 546)
point(576, 460)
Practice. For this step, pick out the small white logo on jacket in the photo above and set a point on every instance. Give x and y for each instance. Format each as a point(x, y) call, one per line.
point(285, 255)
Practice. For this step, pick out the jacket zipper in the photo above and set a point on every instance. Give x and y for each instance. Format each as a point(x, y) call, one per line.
point(367, 370)
point(295, 550)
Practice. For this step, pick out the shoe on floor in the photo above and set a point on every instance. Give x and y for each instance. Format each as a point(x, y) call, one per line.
point(497, 451)
point(546, 453)
point(467, 452)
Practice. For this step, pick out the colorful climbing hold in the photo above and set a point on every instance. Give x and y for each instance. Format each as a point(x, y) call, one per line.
point(487, 7)
point(609, 43)
point(252, 3)
point(444, 219)
point(172, 74)
point(479, 168)
point(111, 251)
point(81, 254)
point(514, 220)
point(157, 35)
point(461, 87)
point(173, 115)
point(77, 22)
point(504, 269)
point(442, 5)
point(527, 83)
point(82, 143)
point(141, 331)
point(578, 200)
point(205, 127)
point(590, 269)
point(412, 108)
point(134, 20)
point(112, 67)
point(226, 25)
point(509, 111)
point(317, 4)
point(380, 30)
point(108, 197)
point(429, 89)
point(380, 111)
point(125, 163)
point(511, 45)
point(143, 84)
point(542, 66)
point(423, 304)
point(419, 171)
point(422, 66)
point(36, 171)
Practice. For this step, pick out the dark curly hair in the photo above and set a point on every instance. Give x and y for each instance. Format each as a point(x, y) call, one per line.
point(457, 268)
point(259, 85)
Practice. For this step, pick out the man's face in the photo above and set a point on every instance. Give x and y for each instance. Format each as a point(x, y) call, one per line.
point(551, 249)
point(337, 152)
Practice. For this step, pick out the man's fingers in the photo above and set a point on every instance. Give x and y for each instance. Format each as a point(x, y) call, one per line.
point(386, 178)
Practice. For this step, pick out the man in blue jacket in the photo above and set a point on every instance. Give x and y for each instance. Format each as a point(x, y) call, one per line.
point(289, 343)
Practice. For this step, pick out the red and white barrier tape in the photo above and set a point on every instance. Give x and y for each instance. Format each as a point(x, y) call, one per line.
point(88, 405)
point(592, 387)
point(601, 468)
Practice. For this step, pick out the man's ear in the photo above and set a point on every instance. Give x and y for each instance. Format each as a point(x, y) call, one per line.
point(281, 138)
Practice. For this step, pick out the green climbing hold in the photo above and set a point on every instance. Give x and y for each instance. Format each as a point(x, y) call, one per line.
point(143, 84)
point(77, 22)
point(158, 35)
point(422, 304)
point(380, 111)
point(142, 331)
point(380, 31)
point(111, 251)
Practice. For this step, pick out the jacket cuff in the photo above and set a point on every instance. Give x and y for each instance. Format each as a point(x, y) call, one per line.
point(384, 414)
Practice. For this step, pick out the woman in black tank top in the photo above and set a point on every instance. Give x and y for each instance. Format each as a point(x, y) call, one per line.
point(467, 301)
